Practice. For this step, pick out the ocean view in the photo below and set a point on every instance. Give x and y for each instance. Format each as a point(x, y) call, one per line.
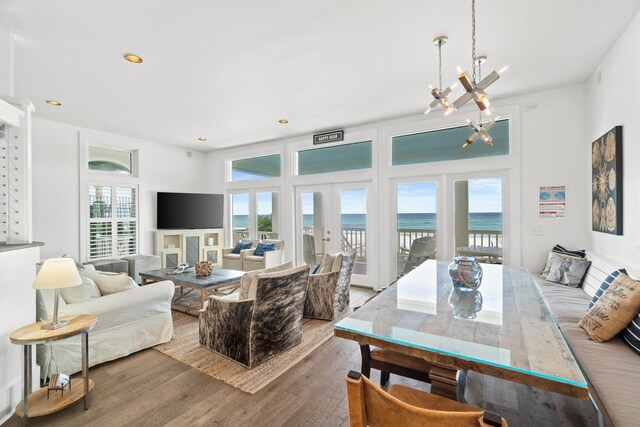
point(418, 221)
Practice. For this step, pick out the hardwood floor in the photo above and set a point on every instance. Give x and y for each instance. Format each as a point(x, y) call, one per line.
point(151, 389)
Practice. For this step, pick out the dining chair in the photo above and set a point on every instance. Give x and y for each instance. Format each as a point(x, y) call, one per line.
point(421, 249)
point(369, 405)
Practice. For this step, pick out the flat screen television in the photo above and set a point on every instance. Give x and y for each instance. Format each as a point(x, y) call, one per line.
point(189, 210)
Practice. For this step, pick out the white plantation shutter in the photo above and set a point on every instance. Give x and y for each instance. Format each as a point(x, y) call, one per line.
point(113, 222)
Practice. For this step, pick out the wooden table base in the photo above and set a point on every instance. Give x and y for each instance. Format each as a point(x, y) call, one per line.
point(38, 404)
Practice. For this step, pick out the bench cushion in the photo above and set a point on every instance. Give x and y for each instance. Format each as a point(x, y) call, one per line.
point(611, 368)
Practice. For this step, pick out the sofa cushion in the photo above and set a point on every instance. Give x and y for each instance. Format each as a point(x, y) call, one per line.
point(81, 293)
point(110, 283)
point(240, 246)
point(605, 284)
point(330, 263)
point(611, 368)
point(253, 258)
point(247, 278)
point(231, 256)
point(264, 247)
point(568, 271)
point(615, 309)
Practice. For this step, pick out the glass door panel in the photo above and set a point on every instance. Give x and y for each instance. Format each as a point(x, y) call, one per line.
point(353, 226)
point(267, 214)
point(478, 229)
point(415, 224)
point(312, 214)
point(332, 218)
point(239, 216)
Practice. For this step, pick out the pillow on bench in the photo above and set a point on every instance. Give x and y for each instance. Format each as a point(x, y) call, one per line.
point(614, 310)
point(631, 335)
point(605, 284)
point(557, 252)
point(568, 271)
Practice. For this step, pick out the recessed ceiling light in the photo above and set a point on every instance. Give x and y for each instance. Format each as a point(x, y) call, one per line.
point(283, 121)
point(201, 139)
point(54, 103)
point(132, 57)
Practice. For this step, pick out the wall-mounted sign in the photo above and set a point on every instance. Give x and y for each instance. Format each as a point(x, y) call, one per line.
point(323, 138)
point(552, 201)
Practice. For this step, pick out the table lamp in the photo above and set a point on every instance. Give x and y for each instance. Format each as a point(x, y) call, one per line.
point(57, 273)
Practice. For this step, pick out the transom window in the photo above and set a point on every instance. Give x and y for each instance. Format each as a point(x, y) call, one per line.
point(446, 144)
point(336, 158)
point(263, 167)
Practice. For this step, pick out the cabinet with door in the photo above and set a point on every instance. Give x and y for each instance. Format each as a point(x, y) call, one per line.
point(189, 246)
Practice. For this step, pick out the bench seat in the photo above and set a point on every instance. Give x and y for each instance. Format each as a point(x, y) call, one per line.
point(612, 369)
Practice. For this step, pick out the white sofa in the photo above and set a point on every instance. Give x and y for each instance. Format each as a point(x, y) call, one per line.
point(128, 321)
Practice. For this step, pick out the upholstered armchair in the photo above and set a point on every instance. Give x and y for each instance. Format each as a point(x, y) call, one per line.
point(251, 331)
point(328, 293)
point(269, 259)
point(233, 261)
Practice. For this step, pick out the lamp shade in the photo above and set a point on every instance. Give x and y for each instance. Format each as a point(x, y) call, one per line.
point(57, 273)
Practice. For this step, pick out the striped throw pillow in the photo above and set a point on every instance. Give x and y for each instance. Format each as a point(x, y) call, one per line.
point(605, 285)
point(631, 335)
point(580, 253)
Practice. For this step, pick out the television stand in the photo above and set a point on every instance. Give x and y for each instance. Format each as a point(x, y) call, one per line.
point(189, 246)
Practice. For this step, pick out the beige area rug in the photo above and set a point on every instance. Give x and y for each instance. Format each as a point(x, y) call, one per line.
point(185, 348)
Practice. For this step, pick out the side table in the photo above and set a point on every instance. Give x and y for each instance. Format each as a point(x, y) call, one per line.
point(37, 404)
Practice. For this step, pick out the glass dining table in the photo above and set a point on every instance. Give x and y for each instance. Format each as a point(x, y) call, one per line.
point(502, 329)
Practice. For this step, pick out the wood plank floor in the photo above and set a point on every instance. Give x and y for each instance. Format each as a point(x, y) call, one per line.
point(151, 389)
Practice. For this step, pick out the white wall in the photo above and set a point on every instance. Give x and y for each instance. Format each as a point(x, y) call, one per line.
point(6, 63)
point(56, 203)
point(549, 142)
point(613, 98)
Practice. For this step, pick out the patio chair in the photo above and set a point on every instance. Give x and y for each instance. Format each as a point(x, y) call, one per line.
point(422, 248)
point(371, 406)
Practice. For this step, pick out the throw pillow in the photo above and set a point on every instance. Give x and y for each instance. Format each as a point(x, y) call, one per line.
point(241, 246)
point(614, 310)
point(552, 256)
point(110, 283)
point(86, 291)
point(247, 278)
point(580, 253)
point(607, 282)
point(631, 335)
point(568, 271)
point(330, 263)
point(261, 248)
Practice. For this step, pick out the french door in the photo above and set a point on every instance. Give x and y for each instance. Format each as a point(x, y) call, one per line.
point(336, 217)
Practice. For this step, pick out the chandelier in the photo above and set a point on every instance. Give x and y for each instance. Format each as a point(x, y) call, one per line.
point(480, 130)
point(439, 95)
point(475, 88)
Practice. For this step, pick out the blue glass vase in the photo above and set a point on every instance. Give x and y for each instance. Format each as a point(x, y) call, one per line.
point(465, 273)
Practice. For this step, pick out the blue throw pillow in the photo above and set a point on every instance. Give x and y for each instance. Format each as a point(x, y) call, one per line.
point(241, 246)
point(631, 335)
point(264, 247)
point(316, 268)
point(605, 285)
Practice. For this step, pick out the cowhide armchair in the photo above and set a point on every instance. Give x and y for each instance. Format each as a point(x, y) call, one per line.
point(251, 331)
point(328, 293)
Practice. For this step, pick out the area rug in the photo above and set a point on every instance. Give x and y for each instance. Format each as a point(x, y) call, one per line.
point(185, 348)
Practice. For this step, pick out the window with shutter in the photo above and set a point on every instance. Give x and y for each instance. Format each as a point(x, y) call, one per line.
point(113, 222)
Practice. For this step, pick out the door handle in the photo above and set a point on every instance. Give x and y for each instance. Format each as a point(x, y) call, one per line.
point(328, 239)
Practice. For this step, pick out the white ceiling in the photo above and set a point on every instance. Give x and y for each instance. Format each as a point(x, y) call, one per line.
point(229, 70)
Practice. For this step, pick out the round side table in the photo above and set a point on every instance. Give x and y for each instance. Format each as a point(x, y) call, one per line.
point(38, 403)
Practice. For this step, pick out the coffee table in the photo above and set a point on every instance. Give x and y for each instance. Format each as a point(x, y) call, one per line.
point(220, 278)
point(505, 332)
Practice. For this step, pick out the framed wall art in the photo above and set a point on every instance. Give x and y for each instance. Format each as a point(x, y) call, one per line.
point(606, 182)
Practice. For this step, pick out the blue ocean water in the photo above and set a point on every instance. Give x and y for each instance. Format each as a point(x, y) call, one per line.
point(419, 221)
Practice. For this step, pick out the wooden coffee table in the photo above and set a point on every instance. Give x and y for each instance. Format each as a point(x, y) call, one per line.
point(220, 278)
